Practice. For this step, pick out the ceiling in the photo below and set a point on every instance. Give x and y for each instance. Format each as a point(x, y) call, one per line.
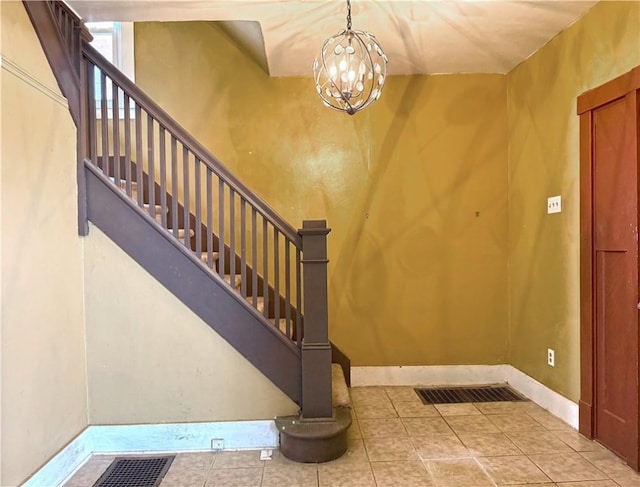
point(419, 37)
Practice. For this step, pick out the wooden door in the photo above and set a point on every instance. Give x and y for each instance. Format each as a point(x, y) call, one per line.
point(609, 266)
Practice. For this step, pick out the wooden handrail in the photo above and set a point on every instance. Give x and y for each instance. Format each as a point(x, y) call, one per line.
point(166, 121)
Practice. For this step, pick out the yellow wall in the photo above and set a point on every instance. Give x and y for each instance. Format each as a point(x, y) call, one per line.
point(415, 276)
point(44, 395)
point(544, 161)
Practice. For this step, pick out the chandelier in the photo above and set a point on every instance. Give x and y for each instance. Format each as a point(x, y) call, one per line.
point(351, 70)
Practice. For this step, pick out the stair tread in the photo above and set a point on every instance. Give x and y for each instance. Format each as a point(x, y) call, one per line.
point(260, 302)
point(204, 256)
point(237, 279)
point(339, 390)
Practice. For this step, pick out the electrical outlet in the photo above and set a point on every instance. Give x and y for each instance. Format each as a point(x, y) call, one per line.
point(217, 444)
point(551, 357)
point(554, 204)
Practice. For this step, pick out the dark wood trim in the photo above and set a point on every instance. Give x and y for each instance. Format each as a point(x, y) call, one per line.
point(178, 269)
point(316, 349)
point(612, 90)
point(586, 278)
point(55, 50)
point(626, 85)
point(341, 358)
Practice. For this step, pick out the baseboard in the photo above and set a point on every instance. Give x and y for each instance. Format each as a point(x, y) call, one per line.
point(152, 438)
point(550, 400)
point(432, 375)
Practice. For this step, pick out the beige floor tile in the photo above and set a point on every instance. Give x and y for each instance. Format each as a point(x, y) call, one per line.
point(515, 407)
point(515, 422)
point(345, 475)
point(367, 393)
point(471, 424)
point(550, 422)
point(609, 463)
point(402, 394)
point(375, 411)
point(576, 441)
point(488, 445)
point(589, 483)
point(193, 461)
point(354, 429)
point(532, 442)
point(628, 481)
point(466, 409)
point(185, 478)
point(279, 475)
point(567, 467)
point(356, 453)
point(405, 474)
point(88, 473)
point(464, 472)
point(381, 428)
point(426, 426)
point(415, 410)
point(235, 477)
point(439, 446)
point(237, 459)
point(390, 449)
point(507, 470)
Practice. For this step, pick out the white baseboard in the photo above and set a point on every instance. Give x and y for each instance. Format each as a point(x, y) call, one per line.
point(459, 375)
point(152, 438)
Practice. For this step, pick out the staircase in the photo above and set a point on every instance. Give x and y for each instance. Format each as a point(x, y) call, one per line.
point(178, 211)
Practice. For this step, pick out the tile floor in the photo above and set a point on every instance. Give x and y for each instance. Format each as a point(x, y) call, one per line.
point(396, 441)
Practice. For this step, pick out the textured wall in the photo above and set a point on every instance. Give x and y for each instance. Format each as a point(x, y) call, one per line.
point(44, 395)
point(151, 360)
point(414, 189)
point(544, 161)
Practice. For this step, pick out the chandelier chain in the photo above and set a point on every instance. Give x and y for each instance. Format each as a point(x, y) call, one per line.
point(348, 14)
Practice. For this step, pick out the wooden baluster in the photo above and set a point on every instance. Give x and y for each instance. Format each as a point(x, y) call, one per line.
point(198, 203)
point(104, 123)
point(254, 256)
point(127, 144)
point(243, 247)
point(93, 124)
point(115, 109)
point(232, 237)
point(163, 176)
point(139, 174)
point(299, 324)
point(221, 247)
point(210, 219)
point(287, 285)
point(265, 266)
point(151, 180)
point(174, 186)
point(276, 276)
point(187, 197)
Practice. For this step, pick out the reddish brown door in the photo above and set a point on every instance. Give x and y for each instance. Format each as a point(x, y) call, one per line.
point(615, 261)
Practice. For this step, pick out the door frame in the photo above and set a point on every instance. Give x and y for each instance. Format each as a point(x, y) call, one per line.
point(623, 86)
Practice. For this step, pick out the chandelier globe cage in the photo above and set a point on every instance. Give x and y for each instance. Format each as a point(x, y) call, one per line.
point(351, 70)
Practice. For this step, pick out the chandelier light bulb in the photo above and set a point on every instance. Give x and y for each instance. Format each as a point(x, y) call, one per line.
point(351, 70)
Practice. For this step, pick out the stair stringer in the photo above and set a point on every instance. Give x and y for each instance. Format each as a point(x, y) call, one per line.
point(205, 293)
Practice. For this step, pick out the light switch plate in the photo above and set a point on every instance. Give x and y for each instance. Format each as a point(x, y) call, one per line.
point(554, 204)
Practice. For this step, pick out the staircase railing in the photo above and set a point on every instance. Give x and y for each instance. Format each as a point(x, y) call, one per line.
point(124, 122)
point(165, 172)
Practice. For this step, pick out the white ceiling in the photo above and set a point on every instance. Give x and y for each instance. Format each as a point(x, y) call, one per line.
point(419, 37)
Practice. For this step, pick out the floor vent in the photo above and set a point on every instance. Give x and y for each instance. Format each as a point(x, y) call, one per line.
point(135, 472)
point(457, 395)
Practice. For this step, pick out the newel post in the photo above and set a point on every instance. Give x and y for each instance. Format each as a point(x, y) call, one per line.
point(316, 348)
